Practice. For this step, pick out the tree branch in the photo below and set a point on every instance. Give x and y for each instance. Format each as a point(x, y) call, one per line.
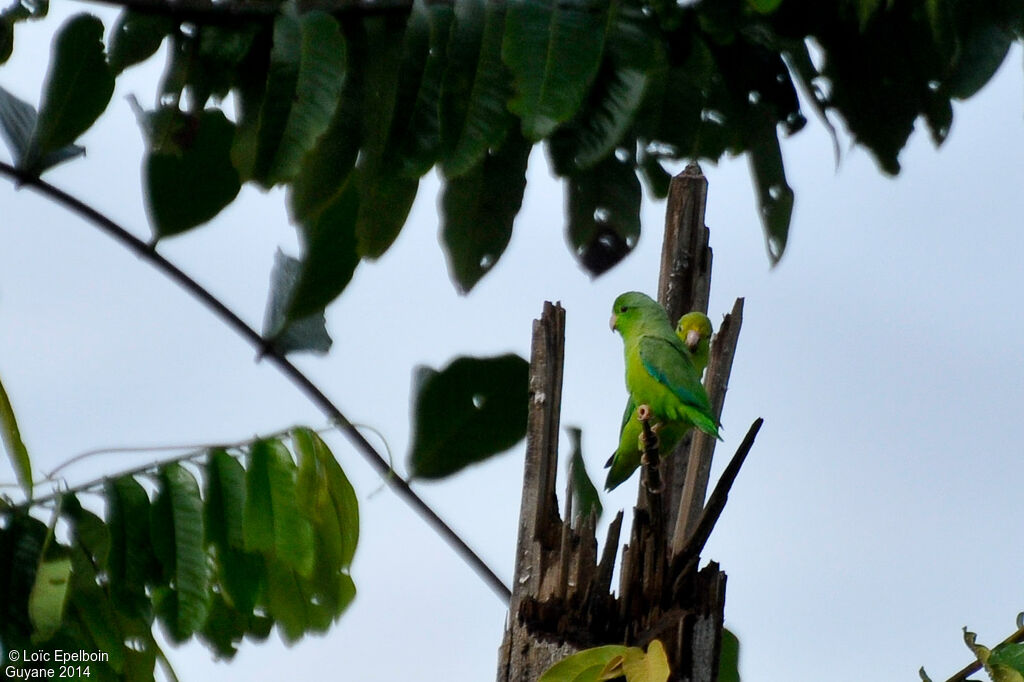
point(266, 350)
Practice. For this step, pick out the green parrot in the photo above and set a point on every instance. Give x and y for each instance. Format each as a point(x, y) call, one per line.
point(664, 369)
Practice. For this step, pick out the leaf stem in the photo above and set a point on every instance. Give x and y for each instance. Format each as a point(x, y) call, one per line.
point(266, 350)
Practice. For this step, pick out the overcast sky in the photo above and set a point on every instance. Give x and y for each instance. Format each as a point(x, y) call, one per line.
point(878, 513)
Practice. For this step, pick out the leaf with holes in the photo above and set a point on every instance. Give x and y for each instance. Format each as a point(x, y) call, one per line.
point(478, 209)
point(604, 214)
point(237, 570)
point(774, 195)
point(472, 409)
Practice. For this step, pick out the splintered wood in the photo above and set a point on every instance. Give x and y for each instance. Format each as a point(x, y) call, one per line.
point(561, 595)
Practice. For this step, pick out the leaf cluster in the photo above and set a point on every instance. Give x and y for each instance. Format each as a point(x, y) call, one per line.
point(266, 543)
point(348, 111)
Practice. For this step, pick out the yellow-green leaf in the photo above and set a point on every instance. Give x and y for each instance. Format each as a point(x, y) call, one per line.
point(15, 447)
point(590, 662)
point(49, 593)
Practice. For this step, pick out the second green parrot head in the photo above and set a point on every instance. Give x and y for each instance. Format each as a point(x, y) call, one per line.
point(633, 309)
point(694, 330)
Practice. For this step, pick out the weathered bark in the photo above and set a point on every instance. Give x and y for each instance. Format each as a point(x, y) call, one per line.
point(561, 601)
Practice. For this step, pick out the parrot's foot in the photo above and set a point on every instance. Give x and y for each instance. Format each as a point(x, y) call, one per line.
point(643, 413)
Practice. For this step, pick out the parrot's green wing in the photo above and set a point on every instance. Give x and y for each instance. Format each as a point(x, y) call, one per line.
point(667, 361)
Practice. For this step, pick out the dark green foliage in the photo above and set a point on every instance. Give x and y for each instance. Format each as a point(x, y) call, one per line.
point(349, 115)
point(472, 409)
point(224, 561)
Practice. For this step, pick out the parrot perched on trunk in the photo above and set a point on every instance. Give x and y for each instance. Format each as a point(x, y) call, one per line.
point(664, 370)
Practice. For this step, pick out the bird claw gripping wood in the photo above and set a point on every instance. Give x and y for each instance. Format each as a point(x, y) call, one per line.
point(650, 457)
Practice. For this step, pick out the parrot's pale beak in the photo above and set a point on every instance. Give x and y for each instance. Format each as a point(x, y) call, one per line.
point(692, 339)
point(611, 322)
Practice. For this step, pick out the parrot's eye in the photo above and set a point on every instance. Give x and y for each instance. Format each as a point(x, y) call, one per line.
point(623, 309)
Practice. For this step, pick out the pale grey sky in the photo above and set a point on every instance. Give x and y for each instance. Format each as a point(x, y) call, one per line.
point(877, 514)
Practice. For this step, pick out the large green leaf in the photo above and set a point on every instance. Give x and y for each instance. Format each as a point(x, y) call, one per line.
point(385, 199)
point(78, 87)
point(478, 209)
point(326, 168)
point(583, 666)
point(472, 409)
point(135, 38)
point(633, 54)
point(17, 121)
point(553, 50)
point(604, 213)
point(473, 115)
point(17, 453)
point(238, 571)
point(274, 525)
point(329, 256)
point(774, 195)
point(189, 176)
point(131, 562)
point(304, 81)
point(190, 579)
point(334, 505)
point(48, 596)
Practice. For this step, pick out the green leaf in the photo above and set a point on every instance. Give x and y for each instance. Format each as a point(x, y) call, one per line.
point(17, 453)
point(273, 523)
point(131, 561)
point(385, 199)
point(238, 571)
point(190, 177)
point(135, 38)
point(604, 214)
point(21, 548)
point(553, 50)
point(326, 168)
point(329, 256)
point(1009, 655)
point(17, 121)
point(190, 576)
point(340, 495)
point(306, 334)
point(984, 45)
point(478, 209)
point(585, 498)
point(6, 38)
point(414, 141)
point(729, 658)
point(77, 90)
point(774, 195)
point(88, 531)
point(285, 601)
point(650, 667)
point(304, 81)
point(474, 408)
point(48, 596)
point(583, 665)
point(473, 117)
point(634, 52)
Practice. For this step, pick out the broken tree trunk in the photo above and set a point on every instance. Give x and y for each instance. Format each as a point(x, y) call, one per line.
point(561, 599)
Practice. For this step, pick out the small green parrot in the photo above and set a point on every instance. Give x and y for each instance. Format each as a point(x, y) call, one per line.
point(664, 370)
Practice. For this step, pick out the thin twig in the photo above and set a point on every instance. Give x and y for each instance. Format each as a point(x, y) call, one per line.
point(234, 13)
point(268, 351)
point(974, 667)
